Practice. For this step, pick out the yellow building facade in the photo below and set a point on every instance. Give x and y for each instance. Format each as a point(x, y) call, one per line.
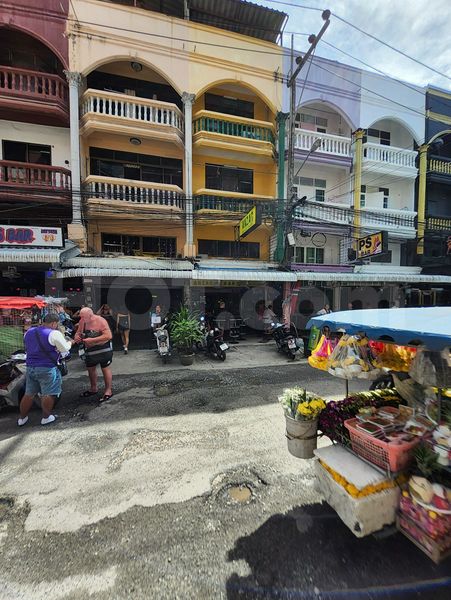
point(177, 132)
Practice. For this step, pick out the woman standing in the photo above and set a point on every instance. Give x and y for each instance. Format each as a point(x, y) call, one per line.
point(123, 326)
point(107, 313)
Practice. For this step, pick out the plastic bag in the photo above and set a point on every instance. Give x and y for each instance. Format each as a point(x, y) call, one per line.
point(351, 359)
point(391, 356)
point(320, 355)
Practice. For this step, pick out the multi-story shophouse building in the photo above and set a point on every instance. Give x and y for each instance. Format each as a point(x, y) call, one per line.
point(175, 105)
point(35, 169)
point(360, 180)
point(434, 193)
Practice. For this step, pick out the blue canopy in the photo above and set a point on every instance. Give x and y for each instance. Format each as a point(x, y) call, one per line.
point(405, 326)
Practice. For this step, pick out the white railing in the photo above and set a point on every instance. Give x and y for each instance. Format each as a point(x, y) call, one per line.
point(343, 214)
point(137, 192)
point(121, 106)
point(330, 144)
point(390, 155)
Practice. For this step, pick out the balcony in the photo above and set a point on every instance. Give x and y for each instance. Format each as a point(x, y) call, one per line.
point(119, 113)
point(334, 149)
point(33, 182)
point(219, 131)
point(111, 197)
point(438, 224)
point(439, 170)
point(214, 201)
point(399, 222)
point(389, 160)
point(33, 96)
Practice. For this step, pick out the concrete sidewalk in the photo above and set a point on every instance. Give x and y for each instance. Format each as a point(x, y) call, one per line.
point(245, 354)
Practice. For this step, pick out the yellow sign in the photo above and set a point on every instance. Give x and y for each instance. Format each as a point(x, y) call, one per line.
point(371, 245)
point(251, 221)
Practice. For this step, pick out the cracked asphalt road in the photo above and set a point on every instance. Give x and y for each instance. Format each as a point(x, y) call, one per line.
point(130, 500)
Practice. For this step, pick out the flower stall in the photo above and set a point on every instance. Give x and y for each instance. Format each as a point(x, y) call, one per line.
point(390, 457)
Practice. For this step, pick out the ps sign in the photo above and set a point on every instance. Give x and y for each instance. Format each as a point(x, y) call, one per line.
point(371, 245)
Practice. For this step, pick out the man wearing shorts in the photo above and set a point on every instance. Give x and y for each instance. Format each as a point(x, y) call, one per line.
point(43, 346)
point(95, 335)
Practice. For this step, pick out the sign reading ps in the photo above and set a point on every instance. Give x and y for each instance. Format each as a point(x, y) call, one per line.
point(371, 245)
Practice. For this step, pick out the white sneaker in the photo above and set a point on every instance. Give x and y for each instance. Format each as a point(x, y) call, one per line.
point(21, 422)
point(47, 420)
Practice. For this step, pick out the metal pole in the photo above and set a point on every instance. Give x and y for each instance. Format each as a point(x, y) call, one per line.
point(281, 121)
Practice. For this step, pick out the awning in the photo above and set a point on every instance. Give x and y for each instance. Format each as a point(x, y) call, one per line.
point(242, 275)
point(92, 266)
point(373, 277)
point(38, 255)
point(431, 326)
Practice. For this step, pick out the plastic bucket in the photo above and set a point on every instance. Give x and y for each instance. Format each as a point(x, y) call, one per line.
point(301, 437)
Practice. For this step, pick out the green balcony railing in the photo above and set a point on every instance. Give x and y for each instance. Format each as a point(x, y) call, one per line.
point(242, 130)
point(222, 203)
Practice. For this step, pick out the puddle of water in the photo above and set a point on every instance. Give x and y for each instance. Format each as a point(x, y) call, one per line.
point(240, 493)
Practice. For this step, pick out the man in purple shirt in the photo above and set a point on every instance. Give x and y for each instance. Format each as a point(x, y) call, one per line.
point(43, 346)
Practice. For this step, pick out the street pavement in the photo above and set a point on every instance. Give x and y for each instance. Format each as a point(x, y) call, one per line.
point(137, 498)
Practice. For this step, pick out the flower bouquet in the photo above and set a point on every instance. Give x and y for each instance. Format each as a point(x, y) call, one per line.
point(301, 410)
point(301, 405)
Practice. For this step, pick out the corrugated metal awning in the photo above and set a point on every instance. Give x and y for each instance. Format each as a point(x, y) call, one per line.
point(38, 255)
point(245, 275)
point(373, 278)
point(239, 16)
point(135, 273)
point(128, 263)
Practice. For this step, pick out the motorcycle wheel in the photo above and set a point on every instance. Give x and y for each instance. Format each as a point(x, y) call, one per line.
point(383, 383)
point(222, 355)
point(165, 359)
point(292, 355)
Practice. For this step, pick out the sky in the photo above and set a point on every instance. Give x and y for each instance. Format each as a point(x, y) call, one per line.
point(420, 28)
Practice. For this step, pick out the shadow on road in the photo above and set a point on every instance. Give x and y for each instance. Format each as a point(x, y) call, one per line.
point(309, 553)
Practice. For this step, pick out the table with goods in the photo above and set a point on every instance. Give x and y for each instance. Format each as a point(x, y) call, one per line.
point(390, 458)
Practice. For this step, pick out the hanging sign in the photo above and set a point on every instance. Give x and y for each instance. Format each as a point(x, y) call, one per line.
point(372, 245)
point(251, 221)
point(31, 237)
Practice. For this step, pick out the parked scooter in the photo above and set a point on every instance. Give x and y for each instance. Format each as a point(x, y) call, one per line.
point(163, 345)
point(12, 380)
point(287, 339)
point(216, 346)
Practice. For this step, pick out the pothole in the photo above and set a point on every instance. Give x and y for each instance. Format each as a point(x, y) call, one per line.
point(240, 493)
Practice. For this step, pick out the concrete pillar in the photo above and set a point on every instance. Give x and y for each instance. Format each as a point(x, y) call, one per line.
point(357, 167)
point(188, 100)
point(421, 218)
point(76, 230)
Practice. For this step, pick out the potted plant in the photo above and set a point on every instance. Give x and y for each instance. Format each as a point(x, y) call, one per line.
point(185, 332)
point(302, 409)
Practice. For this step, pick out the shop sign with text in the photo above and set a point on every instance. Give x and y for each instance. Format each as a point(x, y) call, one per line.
point(31, 237)
point(372, 245)
point(251, 221)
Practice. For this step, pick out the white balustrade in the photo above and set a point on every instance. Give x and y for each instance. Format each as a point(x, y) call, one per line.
point(121, 106)
point(330, 144)
point(398, 157)
point(137, 192)
point(343, 214)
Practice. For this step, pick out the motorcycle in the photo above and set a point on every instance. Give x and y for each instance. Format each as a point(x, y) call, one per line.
point(12, 380)
point(216, 346)
point(286, 339)
point(162, 336)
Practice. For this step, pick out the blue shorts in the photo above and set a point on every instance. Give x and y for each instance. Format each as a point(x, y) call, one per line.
point(43, 380)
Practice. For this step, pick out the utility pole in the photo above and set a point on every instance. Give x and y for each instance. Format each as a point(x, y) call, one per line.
point(291, 83)
point(283, 207)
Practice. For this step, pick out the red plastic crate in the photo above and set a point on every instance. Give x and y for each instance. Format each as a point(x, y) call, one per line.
point(389, 456)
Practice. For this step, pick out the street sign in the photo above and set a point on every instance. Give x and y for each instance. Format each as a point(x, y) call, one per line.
point(372, 245)
point(251, 221)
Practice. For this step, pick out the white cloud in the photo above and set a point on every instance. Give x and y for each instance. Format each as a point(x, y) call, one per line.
point(418, 27)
